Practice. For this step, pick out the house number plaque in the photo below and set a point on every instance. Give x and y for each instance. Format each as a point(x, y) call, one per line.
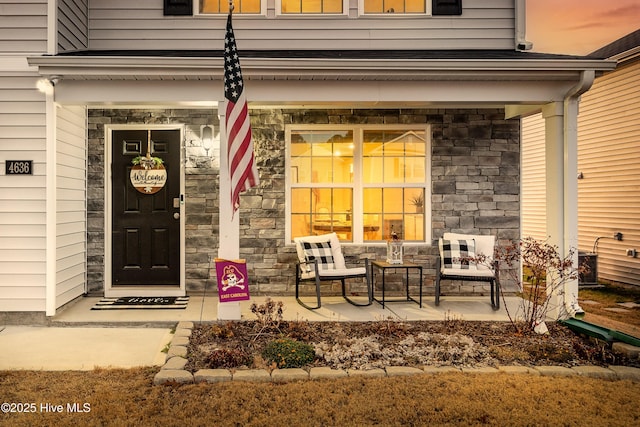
point(19, 167)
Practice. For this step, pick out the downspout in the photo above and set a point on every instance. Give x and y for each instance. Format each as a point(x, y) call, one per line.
point(521, 26)
point(570, 238)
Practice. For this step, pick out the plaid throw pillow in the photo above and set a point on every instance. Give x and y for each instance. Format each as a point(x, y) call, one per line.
point(320, 251)
point(454, 250)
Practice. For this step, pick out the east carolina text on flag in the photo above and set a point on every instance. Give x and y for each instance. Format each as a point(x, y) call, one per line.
point(242, 167)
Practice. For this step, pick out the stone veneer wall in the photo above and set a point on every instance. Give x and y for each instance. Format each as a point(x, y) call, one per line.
point(475, 188)
point(201, 188)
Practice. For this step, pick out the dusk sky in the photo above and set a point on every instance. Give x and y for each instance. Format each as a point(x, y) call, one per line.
point(579, 26)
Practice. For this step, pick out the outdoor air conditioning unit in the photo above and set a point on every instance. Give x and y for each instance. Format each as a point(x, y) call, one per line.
point(589, 277)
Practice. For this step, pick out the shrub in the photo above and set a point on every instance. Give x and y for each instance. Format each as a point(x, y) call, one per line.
point(269, 315)
point(288, 353)
point(228, 358)
point(222, 331)
point(546, 272)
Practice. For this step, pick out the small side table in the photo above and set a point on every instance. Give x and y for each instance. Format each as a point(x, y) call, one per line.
point(383, 266)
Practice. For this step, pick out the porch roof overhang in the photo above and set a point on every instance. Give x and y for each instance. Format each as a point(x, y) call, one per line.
point(538, 77)
point(323, 65)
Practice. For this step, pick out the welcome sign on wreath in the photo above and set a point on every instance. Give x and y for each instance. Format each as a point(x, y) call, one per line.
point(148, 174)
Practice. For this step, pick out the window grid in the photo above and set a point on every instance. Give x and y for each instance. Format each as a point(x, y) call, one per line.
point(368, 209)
point(394, 6)
point(311, 7)
point(222, 6)
point(328, 7)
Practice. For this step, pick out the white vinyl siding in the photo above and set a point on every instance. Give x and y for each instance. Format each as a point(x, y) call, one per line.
point(23, 26)
point(71, 228)
point(23, 31)
point(22, 197)
point(73, 25)
point(609, 159)
point(534, 216)
point(125, 24)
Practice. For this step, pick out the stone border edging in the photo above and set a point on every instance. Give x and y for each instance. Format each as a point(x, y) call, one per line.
point(173, 371)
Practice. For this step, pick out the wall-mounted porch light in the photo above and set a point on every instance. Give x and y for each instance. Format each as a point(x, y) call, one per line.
point(46, 85)
point(206, 135)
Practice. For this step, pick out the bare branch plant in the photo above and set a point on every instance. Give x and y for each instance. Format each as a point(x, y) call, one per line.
point(544, 276)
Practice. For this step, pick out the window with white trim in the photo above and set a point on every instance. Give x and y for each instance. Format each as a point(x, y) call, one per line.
point(362, 182)
point(395, 6)
point(312, 7)
point(222, 7)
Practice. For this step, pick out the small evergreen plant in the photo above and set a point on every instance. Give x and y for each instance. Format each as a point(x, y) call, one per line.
point(288, 353)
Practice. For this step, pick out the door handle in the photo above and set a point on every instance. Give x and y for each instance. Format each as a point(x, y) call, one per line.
point(176, 215)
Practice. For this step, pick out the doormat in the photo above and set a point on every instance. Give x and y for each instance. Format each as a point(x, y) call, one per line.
point(141, 303)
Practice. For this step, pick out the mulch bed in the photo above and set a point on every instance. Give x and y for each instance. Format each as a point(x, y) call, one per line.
point(367, 345)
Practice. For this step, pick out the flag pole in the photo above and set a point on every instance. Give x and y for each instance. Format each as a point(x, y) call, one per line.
point(229, 224)
point(241, 157)
point(229, 234)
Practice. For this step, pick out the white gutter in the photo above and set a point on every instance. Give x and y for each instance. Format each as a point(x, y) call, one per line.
point(628, 55)
point(52, 27)
point(118, 65)
point(570, 238)
point(586, 81)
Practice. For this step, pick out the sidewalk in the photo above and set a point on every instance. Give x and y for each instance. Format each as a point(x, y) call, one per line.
point(82, 348)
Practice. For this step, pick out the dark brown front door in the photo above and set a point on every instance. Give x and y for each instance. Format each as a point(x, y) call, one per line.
point(145, 227)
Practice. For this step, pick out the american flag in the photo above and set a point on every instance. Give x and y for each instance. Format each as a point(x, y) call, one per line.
point(242, 165)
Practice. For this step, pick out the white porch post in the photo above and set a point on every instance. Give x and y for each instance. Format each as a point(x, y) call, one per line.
point(561, 142)
point(229, 225)
point(553, 114)
point(51, 206)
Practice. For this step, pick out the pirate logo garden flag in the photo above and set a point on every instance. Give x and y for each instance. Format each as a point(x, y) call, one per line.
point(233, 284)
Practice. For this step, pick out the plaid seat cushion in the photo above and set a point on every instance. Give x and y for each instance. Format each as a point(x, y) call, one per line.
point(320, 251)
point(454, 252)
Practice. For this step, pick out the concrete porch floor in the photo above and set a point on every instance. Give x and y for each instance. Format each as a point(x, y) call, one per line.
point(205, 309)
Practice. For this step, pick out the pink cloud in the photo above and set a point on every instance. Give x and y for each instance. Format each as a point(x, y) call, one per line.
point(579, 26)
